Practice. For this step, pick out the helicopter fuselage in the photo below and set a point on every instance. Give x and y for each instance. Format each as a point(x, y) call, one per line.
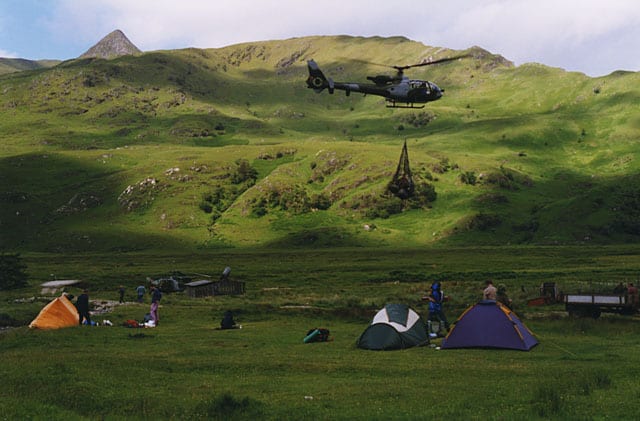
point(399, 93)
point(406, 90)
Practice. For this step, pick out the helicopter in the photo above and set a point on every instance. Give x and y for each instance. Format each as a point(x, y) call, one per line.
point(399, 91)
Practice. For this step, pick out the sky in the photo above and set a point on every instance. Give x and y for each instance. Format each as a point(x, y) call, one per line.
point(595, 37)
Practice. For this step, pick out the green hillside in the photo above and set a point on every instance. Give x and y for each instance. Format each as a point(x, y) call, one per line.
point(227, 147)
point(10, 65)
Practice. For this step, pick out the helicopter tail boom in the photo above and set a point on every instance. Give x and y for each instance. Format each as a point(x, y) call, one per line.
point(316, 80)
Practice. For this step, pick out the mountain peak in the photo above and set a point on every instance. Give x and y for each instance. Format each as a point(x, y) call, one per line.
point(115, 44)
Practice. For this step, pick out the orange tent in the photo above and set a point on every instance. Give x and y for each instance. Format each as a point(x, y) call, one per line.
point(58, 313)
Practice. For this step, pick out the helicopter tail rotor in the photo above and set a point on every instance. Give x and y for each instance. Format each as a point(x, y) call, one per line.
point(316, 80)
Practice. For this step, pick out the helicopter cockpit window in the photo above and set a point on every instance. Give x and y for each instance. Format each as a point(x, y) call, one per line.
point(420, 84)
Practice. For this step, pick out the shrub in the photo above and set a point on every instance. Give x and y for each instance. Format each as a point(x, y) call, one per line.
point(503, 179)
point(381, 207)
point(418, 120)
point(218, 200)
point(295, 199)
point(423, 195)
point(12, 272)
point(206, 207)
point(244, 172)
point(259, 207)
point(321, 201)
point(441, 166)
point(484, 221)
point(289, 198)
point(468, 177)
point(215, 214)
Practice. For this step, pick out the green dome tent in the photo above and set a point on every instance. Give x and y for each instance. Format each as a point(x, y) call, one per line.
point(396, 326)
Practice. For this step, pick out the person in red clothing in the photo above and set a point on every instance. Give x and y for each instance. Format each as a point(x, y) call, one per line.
point(632, 292)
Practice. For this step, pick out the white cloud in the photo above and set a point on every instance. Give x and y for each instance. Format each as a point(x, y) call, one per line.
point(7, 54)
point(546, 31)
point(523, 30)
point(161, 23)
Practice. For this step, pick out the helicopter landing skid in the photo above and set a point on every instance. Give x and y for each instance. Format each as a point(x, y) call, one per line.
point(393, 104)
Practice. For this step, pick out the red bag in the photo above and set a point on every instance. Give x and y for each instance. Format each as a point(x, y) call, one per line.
point(131, 323)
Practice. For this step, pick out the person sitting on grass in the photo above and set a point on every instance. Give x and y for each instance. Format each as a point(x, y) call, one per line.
point(228, 322)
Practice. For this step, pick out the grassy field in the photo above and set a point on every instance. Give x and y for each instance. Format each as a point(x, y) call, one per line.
point(582, 368)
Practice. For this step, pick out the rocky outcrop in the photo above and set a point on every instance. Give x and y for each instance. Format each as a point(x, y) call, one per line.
point(115, 44)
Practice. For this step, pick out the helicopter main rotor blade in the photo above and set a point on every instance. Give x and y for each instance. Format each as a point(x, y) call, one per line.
point(356, 60)
point(408, 66)
point(429, 63)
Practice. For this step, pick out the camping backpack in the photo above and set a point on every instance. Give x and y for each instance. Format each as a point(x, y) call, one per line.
point(317, 335)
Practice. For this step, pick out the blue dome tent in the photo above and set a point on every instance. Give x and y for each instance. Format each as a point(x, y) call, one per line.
point(489, 324)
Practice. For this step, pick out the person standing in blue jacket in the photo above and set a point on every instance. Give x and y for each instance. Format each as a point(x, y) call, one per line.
point(435, 298)
point(140, 291)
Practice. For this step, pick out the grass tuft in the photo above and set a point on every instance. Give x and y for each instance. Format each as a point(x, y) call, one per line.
point(547, 401)
point(228, 407)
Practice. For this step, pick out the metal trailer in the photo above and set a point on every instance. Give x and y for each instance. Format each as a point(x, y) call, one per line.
point(592, 305)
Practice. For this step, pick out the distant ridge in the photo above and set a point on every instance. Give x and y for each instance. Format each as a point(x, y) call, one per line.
point(10, 65)
point(115, 44)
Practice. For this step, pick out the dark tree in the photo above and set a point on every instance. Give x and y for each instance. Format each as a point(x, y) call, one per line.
point(12, 272)
point(244, 172)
